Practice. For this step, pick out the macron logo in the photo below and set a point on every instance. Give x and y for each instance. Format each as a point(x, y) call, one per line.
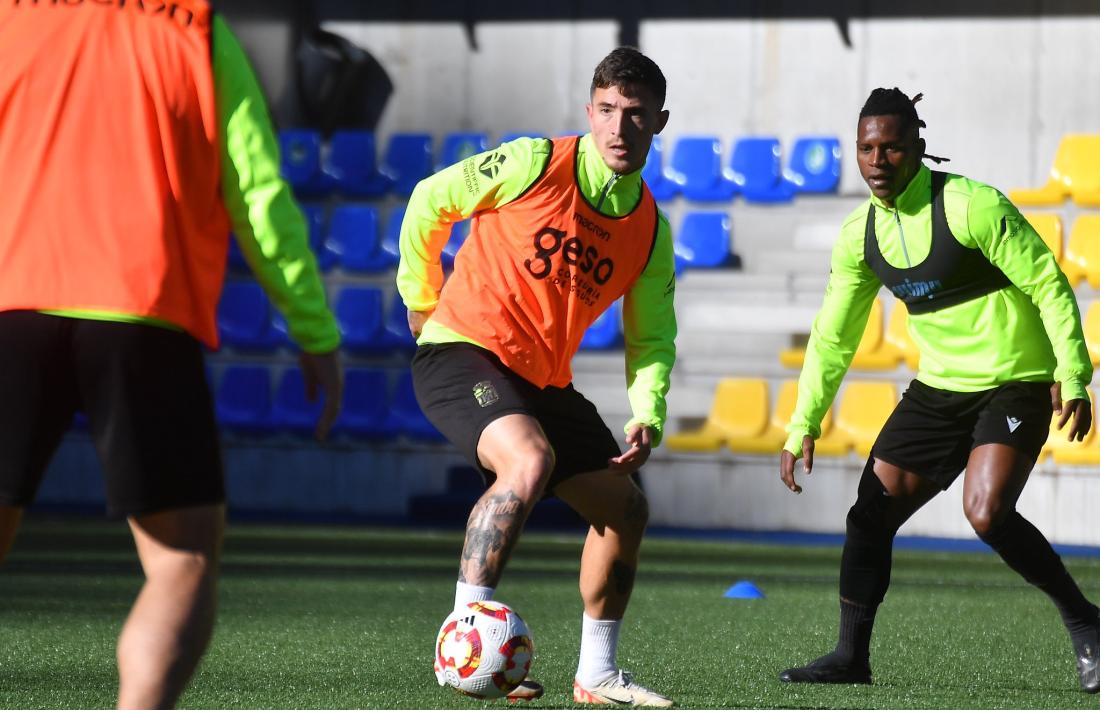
point(1013, 424)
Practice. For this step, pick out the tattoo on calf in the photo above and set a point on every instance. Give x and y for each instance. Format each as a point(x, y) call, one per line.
point(494, 526)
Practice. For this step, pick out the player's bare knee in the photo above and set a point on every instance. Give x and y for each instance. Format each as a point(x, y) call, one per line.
point(528, 471)
point(984, 515)
point(636, 515)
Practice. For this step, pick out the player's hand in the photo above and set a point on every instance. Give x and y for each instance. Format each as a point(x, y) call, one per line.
point(323, 371)
point(417, 319)
point(786, 464)
point(1079, 409)
point(640, 441)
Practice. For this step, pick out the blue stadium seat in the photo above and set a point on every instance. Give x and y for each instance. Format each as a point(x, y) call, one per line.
point(353, 240)
point(653, 173)
point(459, 146)
point(314, 215)
point(814, 165)
point(244, 317)
point(697, 168)
point(703, 241)
point(291, 410)
point(351, 166)
point(607, 331)
point(365, 412)
point(408, 161)
point(243, 399)
point(508, 137)
point(358, 311)
point(391, 235)
point(395, 333)
point(405, 414)
point(300, 161)
point(755, 168)
point(459, 232)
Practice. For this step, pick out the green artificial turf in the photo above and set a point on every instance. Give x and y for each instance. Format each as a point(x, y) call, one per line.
point(325, 617)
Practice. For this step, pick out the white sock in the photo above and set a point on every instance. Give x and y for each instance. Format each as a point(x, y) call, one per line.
point(466, 593)
point(599, 641)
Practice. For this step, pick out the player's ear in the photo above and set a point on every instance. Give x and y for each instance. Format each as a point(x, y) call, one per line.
point(662, 120)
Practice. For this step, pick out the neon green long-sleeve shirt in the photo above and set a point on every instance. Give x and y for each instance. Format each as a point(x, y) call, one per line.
point(456, 193)
point(267, 222)
point(1029, 331)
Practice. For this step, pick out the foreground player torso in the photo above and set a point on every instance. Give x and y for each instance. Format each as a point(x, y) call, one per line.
point(536, 273)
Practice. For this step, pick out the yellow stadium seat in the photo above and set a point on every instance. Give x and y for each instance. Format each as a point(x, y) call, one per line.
point(740, 408)
point(1076, 172)
point(1049, 227)
point(771, 440)
point(1078, 452)
point(1092, 331)
point(897, 336)
point(868, 355)
point(863, 409)
point(1082, 256)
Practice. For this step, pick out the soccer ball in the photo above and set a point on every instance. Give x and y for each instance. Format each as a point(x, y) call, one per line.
point(483, 650)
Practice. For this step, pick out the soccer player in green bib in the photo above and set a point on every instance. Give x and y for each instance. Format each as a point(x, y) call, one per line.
point(1001, 345)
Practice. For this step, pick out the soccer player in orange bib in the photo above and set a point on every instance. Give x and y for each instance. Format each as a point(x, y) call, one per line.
point(561, 229)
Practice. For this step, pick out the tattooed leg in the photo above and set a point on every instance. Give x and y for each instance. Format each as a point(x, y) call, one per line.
point(491, 533)
point(617, 512)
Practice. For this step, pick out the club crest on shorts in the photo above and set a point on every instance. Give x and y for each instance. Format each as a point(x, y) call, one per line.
point(485, 393)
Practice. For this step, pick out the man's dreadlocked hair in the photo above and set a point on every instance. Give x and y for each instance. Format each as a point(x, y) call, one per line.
point(894, 102)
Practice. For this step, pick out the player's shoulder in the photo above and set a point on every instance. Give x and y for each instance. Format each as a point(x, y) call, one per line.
point(856, 218)
point(964, 193)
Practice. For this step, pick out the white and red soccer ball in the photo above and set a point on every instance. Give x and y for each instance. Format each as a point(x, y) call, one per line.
point(483, 650)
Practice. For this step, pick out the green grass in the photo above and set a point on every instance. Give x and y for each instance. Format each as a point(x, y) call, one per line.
point(324, 617)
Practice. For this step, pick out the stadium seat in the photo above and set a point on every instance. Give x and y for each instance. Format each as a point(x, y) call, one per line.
point(244, 317)
point(654, 173)
point(875, 351)
point(395, 330)
point(1085, 452)
point(607, 331)
point(755, 169)
point(358, 311)
point(353, 240)
point(291, 411)
point(459, 232)
point(771, 440)
point(350, 166)
point(1081, 259)
point(739, 409)
point(405, 415)
point(365, 411)
point(863, 409)
point(300, 161)
point(459, 146)
point(1075, 172)
point(703, 241)
point(897, 336)
point(408, 160)
point(1091, 324)
point(1049, 227)
point(696, 168)
point(243, 399)
point(814, 164)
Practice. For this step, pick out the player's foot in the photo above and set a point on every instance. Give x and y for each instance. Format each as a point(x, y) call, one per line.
point(1088, 662)
point(828, 669)
point(619, 689)
point(527, 690)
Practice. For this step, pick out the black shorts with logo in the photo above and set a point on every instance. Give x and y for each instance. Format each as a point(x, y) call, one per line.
point(932, 431)
point(463, 387)
point(143, 389)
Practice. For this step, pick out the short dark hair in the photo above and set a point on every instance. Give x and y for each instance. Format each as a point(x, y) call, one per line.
point(893, 102)
point(625, 66)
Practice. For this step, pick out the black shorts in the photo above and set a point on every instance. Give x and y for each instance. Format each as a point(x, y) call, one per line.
point(462, 388)
point(143, 389)
point(932, 431)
